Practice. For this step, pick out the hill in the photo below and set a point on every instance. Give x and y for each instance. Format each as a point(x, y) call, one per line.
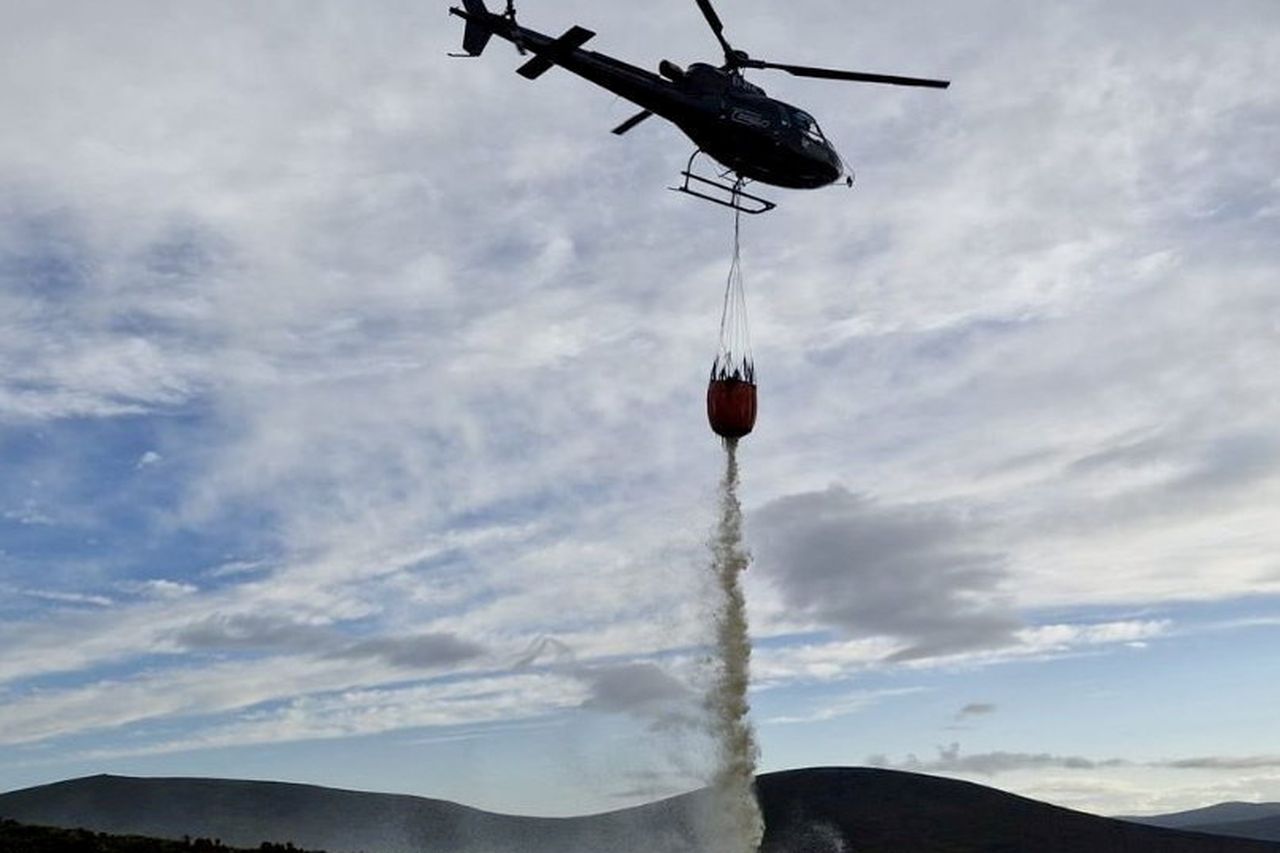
point(1241, 820)
point(1231, 812)
point(806, 811)
point(1265, 829)
point(884, 811)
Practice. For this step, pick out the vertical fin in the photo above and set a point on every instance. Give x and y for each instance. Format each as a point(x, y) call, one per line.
point(476, 35)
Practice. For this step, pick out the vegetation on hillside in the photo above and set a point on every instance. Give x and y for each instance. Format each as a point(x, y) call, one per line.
point(20, 838)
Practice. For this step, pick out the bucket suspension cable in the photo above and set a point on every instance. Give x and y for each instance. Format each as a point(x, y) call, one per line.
point(731, 390)
point(734, 359)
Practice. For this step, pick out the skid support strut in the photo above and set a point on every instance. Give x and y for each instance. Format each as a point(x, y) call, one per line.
point(720, 192)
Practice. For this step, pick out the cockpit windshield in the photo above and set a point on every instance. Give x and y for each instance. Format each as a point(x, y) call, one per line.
point(807, 125)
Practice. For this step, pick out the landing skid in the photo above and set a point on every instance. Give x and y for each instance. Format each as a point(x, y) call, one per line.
point(717, 191)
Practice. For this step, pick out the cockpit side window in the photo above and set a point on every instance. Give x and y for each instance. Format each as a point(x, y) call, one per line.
point(807, 125)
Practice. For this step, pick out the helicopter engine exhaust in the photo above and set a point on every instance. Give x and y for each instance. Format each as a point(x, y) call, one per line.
point(671, 71)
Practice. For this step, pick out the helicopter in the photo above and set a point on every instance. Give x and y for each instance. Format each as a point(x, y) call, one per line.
point(755, 137)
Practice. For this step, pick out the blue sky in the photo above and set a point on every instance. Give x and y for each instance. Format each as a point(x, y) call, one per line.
point(351, 427)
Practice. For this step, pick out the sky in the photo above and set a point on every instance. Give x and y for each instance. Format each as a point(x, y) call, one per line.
point(352, 425)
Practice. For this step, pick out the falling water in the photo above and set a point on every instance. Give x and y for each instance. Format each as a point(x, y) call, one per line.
point(738, 826)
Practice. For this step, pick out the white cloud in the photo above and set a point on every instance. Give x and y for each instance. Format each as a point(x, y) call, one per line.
point(28, 513)
point(160, 588)
point(67, 597)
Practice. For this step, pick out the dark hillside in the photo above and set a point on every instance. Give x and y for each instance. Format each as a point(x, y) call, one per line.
point(243, 813)
point(884, 811)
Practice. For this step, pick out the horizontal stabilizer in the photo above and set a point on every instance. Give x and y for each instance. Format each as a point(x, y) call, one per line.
point(572, 39)
point(632, 122)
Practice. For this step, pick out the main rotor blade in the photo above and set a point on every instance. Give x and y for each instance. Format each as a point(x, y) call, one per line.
point(717, 27)
point(632, 122)
point(860, 76)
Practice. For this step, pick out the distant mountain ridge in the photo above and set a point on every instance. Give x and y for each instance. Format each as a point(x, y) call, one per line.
point(1262, 829)
point(1230, 812)
point(821, 810)
point(1259, 821)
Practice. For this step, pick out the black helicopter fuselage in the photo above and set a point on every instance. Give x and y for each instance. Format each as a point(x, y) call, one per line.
point(758, 137)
